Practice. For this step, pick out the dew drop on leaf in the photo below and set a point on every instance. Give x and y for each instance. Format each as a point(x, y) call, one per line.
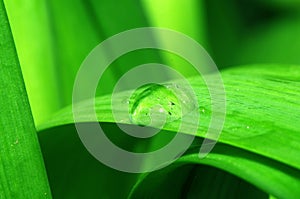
point(157, 104)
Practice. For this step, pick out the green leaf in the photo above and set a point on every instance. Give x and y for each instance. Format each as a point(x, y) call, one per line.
point(260, 135)
point(261, 126)
point(267, 175)
point(22, 172)
point(37, 56)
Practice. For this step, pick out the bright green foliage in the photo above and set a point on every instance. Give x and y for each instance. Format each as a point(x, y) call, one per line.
point(257, 154)
point(22, 172)
point(255, 146)
point(66, 35)
point(36, 53)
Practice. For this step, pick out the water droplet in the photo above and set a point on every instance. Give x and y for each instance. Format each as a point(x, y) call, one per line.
point(155, 104)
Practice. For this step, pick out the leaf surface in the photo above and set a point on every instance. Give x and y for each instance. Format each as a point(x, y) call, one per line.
point(22, 171)
point(261, 125)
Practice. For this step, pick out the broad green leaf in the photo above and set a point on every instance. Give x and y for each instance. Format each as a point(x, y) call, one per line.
point(267, 175)
point(262, 120)
point(22, 171)
point(34, 43)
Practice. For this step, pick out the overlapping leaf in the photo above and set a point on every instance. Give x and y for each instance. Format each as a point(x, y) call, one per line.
point(256, 98)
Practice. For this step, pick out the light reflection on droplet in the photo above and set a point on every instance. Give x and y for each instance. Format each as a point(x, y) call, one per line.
point(152, 103)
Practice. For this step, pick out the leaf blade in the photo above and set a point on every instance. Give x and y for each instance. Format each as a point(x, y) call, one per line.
point(22, 172)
